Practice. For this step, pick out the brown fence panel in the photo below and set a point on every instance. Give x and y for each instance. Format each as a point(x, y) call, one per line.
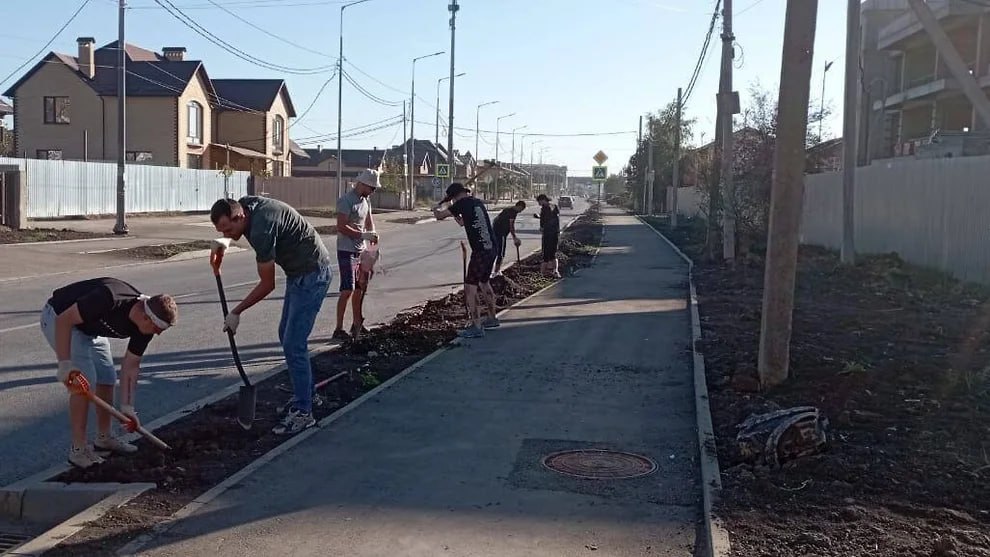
point(303, 192)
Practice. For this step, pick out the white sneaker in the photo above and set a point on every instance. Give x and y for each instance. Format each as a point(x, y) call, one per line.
point(84, 458)
point(114, 445)
point(294, 422)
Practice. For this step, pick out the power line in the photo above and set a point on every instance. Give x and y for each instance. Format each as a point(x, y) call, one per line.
point(49, 43)
point(247, 4)
point(368, 94)
point(702, 58)
point(265, 31)
point(206, 34)
point(534, 134)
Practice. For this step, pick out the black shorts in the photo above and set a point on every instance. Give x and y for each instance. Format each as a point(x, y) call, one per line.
point(501, 242)
point(550, 242)
point(479, 268)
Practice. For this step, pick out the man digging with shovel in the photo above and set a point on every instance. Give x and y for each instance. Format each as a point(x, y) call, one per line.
point(77, 321)
point(471, 213)
point(281, 236)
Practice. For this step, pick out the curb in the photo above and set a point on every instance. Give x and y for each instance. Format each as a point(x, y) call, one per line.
point(142, 541)
point(61, 532)
point(716, 542)
point(56, 242)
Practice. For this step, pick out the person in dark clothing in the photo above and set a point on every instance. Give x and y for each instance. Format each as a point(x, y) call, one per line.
point(77, 321)
point(471, 213)
point(550, 229)
point(505, 224)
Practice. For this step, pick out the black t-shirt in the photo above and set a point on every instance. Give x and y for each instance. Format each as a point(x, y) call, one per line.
point(476, 223)
point(550, 219)
point(503, 222)
point(104, 304)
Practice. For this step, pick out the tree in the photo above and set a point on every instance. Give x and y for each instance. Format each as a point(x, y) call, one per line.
point(661, 127)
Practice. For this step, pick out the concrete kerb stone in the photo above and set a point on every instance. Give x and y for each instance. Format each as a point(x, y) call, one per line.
point(717, 537)
point(142, 541)
point(115, 495)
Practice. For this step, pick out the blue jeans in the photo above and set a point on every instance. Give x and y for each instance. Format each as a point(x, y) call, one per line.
point(304, 296)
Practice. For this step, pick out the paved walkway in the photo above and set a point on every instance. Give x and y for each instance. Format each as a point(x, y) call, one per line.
point(448, 460)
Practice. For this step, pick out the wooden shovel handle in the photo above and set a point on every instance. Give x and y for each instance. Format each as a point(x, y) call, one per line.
point(79, 385)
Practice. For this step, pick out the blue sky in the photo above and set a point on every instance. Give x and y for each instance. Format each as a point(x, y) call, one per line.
point(562, 66)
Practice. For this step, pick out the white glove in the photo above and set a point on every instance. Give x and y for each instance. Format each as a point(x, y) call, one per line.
point(231, 322)
point(370, 235)
point(131, 413)
point(65, 368)
point(220, 245)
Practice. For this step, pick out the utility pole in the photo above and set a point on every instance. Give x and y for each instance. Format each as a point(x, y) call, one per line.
point(821, 112)
point(639, 145)
point(727, 100)
point(787, 191)
point(405, 151)
point(850, 132)
point(677, 162)
point(650, 175)
point(452, 7)
point(120, 228)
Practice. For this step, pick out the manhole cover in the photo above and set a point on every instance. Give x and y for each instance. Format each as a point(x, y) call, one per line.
point(10, 540)
point(598, 464)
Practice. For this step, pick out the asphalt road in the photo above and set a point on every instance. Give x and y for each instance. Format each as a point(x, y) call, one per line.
point(192, 360)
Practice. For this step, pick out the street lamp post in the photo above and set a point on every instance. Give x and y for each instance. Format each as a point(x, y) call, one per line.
point(340, 98)
point(412, 131)
point(498, 170)
point(439, 81)
point(513, 154)
point(477, 127)
point(532, 171)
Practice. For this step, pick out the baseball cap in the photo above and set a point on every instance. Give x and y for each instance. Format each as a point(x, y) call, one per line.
point(455, 189)
point(369, 178)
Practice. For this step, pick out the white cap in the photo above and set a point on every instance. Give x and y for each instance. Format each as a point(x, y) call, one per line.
point(369, 178)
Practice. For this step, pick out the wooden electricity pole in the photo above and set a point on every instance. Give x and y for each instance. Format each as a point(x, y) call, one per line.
point(787, 191)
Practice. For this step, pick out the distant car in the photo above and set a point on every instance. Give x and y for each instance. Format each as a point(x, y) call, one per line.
point(565, 201)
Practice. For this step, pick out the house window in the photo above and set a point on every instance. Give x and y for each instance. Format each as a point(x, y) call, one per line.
point(195, 121)
point(50, 154)
point(57, 110)
point(194, 161)
point(139, 156)
point(278, 168)
point(278, 135)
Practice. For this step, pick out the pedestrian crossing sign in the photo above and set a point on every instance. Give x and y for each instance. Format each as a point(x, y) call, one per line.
point(443, 171)
point(599, 173)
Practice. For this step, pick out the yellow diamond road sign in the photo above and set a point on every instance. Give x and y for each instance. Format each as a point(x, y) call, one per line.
point(600, 157)
point(443, 171)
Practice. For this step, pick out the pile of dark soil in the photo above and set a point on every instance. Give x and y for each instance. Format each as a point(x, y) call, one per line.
point(898, 359)
point(209, 446)
point(11, 236)
point(163, 251)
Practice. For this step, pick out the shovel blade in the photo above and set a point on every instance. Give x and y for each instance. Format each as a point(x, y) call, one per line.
point(247, 398)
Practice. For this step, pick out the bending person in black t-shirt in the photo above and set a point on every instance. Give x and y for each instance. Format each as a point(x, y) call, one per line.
point(76, 321)
point(550, 228)
point(473, 216)
point(503, 225)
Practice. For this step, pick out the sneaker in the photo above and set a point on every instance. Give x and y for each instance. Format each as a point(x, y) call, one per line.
point(84, 458)
point(472, 332)
point(318, 402)
point(294, 422)
point(491, 323)
point(341, 334)
point(114, 445)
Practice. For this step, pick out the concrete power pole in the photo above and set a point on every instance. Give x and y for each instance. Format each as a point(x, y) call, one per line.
point(649, 176)
point(850, 132)
point(677, 162)
point(120, 228)
point(639, 145)
point(788, 191)
point(453, 8)
point(727, 100)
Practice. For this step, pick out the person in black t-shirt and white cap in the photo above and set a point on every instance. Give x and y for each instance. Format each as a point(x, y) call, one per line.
point(471, 213)
point(77, 321)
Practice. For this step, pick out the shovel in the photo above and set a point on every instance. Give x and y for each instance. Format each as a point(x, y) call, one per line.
point(79, 385)
point(247, 395)
point(517, 253)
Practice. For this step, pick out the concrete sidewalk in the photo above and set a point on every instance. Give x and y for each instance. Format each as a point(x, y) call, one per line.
point(448, 460)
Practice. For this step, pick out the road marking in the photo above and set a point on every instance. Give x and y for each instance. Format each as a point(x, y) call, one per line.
point(202, 224)
point(12, 329)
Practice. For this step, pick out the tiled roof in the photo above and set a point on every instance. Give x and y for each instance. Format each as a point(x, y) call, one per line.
point(253, 94)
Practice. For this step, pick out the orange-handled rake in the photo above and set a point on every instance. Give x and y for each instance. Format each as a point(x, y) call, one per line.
point(78, 384)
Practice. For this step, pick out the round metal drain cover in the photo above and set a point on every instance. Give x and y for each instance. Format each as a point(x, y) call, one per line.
point(598, 464)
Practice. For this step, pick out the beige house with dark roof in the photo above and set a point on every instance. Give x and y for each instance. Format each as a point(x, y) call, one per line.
point(65, 107)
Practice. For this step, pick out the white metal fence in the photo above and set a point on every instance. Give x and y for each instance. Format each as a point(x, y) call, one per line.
point(932, 212)
point(70, 188)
